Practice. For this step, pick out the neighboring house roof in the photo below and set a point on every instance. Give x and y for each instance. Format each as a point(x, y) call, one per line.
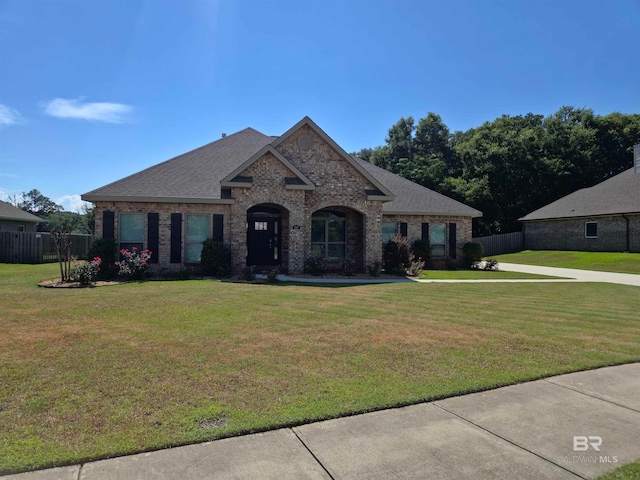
point(197, 177)
point(9, 212)
point(617, 195)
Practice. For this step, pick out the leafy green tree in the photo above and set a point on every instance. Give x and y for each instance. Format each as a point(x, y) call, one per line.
point(512, 165)
point(35, 202)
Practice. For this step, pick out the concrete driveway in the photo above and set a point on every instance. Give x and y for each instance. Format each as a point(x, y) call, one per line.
point(580, 275)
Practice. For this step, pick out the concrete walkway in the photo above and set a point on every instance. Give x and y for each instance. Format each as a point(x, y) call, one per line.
point(579, 275)
point(579, 425)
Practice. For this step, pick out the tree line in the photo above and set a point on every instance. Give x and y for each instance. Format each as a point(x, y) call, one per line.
point(513, 165)
point(53, 215)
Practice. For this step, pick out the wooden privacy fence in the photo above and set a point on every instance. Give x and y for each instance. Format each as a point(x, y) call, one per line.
point(30, 247)
point(503, 243)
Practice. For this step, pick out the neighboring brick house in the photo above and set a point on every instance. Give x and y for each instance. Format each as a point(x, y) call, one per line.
point(604, 218)
point(276, 201)
point(13, 219)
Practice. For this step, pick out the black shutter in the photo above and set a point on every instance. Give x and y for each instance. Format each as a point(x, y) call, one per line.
point(108, 224)
point(452, 240)
point(403, 229)
point(425, 232)
point(153, 235)
point(218, 227)
point(176, 238)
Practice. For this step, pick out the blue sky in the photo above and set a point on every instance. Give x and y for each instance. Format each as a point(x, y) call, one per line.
point(92, 91)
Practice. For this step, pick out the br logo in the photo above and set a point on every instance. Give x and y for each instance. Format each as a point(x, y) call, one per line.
point(582, 443)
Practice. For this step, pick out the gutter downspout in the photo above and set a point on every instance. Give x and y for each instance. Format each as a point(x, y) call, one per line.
point(628, 233)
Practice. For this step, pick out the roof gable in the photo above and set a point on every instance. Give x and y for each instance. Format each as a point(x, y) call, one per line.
point(386, 193)
point(302, 183)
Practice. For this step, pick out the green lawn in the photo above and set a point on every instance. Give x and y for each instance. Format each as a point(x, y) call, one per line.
point(603, 261)
point(630, 471)
point(96, 372)
point(479, 275)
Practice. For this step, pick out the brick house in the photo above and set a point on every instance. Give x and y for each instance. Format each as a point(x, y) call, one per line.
point(602, 218)
point(276, 201)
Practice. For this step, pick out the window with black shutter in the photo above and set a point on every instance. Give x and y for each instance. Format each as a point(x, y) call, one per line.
point(108, 224)
point(218, 228)
point(452, 240)
point(175, 255)
point(153, 235)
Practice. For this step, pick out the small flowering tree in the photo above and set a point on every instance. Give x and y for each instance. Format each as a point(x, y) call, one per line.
point(134, 265)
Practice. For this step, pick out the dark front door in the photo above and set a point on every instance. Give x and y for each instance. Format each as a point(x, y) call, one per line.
point(263, 241)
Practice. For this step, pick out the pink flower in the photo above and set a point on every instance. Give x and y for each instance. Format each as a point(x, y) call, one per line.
point(134, 248)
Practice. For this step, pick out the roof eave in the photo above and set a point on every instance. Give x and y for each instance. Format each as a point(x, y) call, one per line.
point(590, 215)
point(447, 214)
point(116, 198)
point(21, 219)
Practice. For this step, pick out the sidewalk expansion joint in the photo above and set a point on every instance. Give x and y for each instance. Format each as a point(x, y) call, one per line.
point(590, 395)
point(80, 471)
point(508, 441)
point(312, 454)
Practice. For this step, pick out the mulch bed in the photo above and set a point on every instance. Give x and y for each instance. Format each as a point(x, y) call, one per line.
point(57, 283)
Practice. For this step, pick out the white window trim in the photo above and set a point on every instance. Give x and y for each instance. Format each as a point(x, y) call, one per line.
point(585, 230)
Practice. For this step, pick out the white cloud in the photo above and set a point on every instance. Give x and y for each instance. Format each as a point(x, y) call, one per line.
point(72, 203)
point(101, 111)
point(9, 116)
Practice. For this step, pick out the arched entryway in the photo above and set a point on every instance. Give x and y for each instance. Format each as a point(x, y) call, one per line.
point(337, 233)
point(265, 225)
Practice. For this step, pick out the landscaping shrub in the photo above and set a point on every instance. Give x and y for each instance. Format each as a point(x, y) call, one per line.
point(215, 259)
point(416, 265)
point(422, 251)
point(316, 265)
point(105, 249)
point(134, 265)
point(272, 275)
point(396, 255)
point(471, 254)
point(348, 267)
point(450, 264)
point(491, 264)
point(374, 268)
point(247, 274)
point(86, 272)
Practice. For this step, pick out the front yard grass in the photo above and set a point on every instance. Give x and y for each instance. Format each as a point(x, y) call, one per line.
point(602, 261)
point(97, 372)
point(480, 275)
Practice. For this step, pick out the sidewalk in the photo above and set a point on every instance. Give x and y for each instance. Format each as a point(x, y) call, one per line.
point(578, 425)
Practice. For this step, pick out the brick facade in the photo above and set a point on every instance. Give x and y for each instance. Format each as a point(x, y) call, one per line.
point(414, 228)
point(337, 184)
point(569, 234)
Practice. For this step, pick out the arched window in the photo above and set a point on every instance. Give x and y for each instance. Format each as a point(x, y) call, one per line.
point(328, 234)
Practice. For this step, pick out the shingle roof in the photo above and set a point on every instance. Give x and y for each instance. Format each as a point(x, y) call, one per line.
point(195, 177)
point(616, 195)
point(414, 199)
point(9, 212)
